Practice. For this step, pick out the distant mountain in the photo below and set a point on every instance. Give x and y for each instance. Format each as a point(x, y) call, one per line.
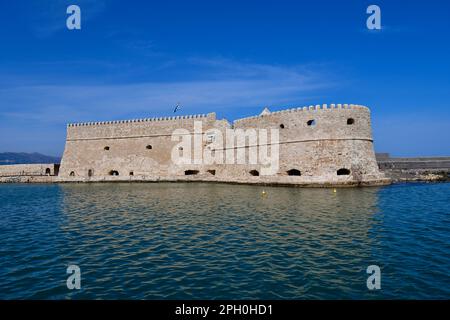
point(26, 158)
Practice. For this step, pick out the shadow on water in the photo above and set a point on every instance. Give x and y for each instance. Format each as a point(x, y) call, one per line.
point(212, 241)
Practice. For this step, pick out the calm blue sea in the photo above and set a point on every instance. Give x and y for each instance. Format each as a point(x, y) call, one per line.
point(218, 241)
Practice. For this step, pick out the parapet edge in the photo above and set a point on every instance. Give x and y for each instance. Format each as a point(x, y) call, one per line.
point(153, 119)
point(308, 109)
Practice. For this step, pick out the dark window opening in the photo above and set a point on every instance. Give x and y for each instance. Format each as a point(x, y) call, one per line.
point(72, 174)
point(131, 173)
point(350, 121)
point(254, 173)
point(213, 172)
point(190, 172)
point(114, 173)
point(90, 173)
point(106, 148)
point(343, 172)
point(210, 138)
point(180, 148)
point(149, 147)
point(311, 123)
point(282, 126)
point(48, 171)
point(294, 172)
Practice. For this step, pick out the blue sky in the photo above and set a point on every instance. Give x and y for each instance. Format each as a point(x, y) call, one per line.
point(134, 59)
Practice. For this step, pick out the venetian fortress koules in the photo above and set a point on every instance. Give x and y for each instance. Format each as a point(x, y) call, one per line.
point(317, 145)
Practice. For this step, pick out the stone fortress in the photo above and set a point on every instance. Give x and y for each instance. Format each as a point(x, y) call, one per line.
point(318, 146)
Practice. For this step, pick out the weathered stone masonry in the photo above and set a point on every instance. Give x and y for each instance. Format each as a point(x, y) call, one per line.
point(42, 169)
point(45, 172)
point(319, 146)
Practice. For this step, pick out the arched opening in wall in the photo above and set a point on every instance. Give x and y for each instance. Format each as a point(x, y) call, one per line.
point(350, 121)
point(254, 173)
point(48, 171)
point(149, 147)
point(343, 172)
point(311, 123)
point(190, 172)
point(294, 172)
point(180, 148)
point(282, 126)
point(114, 173)
point(90, 173)
point(106, 148)
point(72, 174)
point(131, 173)
point(213, 172)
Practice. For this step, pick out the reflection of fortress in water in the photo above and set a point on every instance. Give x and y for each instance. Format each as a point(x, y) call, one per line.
point(220, 228)
point(318, 146)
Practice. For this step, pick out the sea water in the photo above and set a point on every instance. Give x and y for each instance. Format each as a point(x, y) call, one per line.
point(223, 241)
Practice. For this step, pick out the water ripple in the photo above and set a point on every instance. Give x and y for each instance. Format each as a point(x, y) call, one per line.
point(214, 241)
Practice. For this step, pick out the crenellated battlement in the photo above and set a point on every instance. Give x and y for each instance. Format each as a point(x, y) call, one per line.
point(311, 145)
point(154, 119)
point(310, 108)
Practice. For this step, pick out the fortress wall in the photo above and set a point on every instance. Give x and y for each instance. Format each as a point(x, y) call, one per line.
point(27, 169)
point(318, 151)
point(324, 158)
point(417, 163)
point(127, 141)
point(135, 128)
point(330, 123)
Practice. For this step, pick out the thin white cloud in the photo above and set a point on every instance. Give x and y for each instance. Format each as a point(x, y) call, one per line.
point(224, 86)
point(220, 84)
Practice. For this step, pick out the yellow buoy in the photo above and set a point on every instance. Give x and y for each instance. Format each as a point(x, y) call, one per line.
point(334, 190)
point(264, 193)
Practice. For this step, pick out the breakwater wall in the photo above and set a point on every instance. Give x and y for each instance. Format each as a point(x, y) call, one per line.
point(414, 168)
